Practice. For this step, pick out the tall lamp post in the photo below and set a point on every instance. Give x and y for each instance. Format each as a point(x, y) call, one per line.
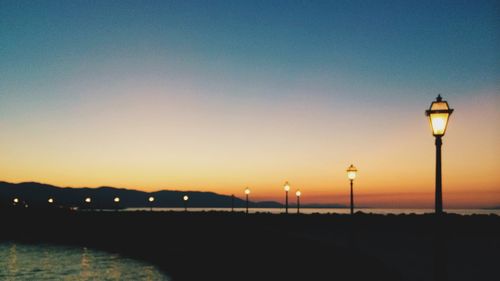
point(438, 114)
point(287, 188)
point(151, 199)
point(185, 199)
point(298, 193)
point(247, 192)
point(351, 174)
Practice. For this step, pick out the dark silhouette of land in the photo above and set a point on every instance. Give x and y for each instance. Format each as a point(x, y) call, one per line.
point(238, 246)
point(37, 194)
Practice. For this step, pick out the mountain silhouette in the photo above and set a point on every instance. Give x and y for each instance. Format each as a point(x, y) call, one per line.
point(37, 194)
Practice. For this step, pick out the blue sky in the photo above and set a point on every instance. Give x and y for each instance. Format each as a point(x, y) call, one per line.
point(448, 45)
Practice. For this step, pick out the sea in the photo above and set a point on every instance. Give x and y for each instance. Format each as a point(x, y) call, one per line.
point(326, 210)
point(26, 262)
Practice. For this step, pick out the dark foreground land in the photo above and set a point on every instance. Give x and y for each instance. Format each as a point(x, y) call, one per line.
point(235, 246)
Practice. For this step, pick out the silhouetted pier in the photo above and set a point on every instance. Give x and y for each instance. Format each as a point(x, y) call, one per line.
point(237, 246)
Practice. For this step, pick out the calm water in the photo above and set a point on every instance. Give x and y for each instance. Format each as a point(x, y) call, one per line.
point(20, 262)
point(328, 210)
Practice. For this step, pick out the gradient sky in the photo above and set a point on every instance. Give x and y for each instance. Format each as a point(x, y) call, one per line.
point(220, 95)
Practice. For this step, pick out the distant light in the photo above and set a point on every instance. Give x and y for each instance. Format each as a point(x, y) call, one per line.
point(88, 200)
point(298, 193)
point(185, 198)
point(16, 200)
point(287, 187)
point(151, 199)
point(26, 206)
point(247, 191)
point(51, 200)
point(117, 199)
point(351, 172)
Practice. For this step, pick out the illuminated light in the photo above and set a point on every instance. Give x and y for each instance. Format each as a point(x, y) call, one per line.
point(439, 113)
point(351, 172)
point(247, 191)
point(88, 200)
point(151, 199)
point(185, 198)
point(51, 200)
point(117, 199)
point(16, 200)
point(287, 187)
point(298, 193)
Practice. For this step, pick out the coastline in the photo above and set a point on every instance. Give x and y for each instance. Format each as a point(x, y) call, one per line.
point(236, 246)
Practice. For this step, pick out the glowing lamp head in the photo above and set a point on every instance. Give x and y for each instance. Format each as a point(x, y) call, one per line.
point(51, 200)
point(16, 200)
point(117, 199)
point(287, 187)
point(298, 193)
point(151, 199)
point(351, 172)
point(88, 200)
point(185, 198)
point(438, 114)
point(247, 191)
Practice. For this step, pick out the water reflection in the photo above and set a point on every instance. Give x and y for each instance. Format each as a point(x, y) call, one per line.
point(84, 265)
point(13, 259)
point(46, 262)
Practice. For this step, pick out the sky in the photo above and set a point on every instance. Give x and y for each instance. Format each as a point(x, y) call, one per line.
point(221, 95)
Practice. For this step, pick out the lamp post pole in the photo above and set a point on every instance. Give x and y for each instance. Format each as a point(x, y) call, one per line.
point(287, 188)
point(117, 203)
point(247, 192)
point(286, 202)
point(351, 175)
point(298, 201)
point(185, 199)
point(352, 198)
point(439, 191)
point(151, 199)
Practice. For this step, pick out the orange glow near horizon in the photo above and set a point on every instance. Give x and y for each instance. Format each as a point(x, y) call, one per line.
point(261, 145)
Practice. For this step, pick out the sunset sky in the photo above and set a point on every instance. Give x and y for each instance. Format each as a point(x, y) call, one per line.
point(221, 95)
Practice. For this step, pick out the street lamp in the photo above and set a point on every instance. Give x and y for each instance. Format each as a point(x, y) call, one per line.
point(151, 199)
point(438, 114)
point(88, 200)
point(287, 188)
point(50, 201)
point(298, 193)
point(117, 203)
point(247, 192)
point(15, 201)
point(185, 198)
point(351, 174)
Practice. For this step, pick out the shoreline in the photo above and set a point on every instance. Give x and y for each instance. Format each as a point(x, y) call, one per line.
point(236, 246)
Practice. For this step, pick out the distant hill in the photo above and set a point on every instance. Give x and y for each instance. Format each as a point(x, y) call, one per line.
point(34, 194)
